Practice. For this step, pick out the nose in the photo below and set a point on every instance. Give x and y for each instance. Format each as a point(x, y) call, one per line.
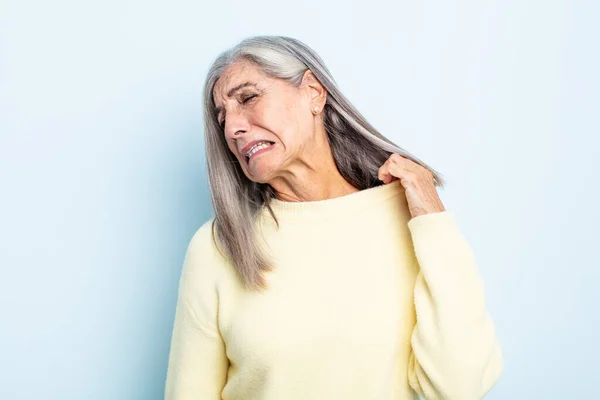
point(236, 125)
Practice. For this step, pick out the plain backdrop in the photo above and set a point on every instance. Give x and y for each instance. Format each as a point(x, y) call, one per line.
point(103, 182)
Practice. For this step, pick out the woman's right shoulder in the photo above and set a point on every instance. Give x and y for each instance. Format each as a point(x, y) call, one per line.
point(203, 237)
point(202, 255)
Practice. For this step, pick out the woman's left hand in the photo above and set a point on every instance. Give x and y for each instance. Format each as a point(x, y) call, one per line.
point(421, 194)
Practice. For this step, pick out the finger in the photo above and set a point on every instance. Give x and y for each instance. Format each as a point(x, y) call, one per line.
point(389, 178)
point(397, 158)
point(406, 175)
point(386, 177)
point(383, 171)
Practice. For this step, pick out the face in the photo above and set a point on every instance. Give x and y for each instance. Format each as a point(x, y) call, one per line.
point(254, 108)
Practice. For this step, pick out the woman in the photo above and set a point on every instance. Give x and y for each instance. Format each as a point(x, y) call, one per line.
point(331, 269)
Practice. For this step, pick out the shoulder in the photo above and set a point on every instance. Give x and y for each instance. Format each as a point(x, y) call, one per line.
point(202, 257)
point(205, 260)
point(203, 239)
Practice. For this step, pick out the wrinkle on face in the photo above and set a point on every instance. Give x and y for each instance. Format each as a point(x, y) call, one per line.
point(280, 113)
point(236, 74)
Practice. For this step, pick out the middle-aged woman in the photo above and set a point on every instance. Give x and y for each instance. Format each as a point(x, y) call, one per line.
point(331, 269)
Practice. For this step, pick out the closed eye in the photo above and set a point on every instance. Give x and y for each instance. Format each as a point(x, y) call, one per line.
point(247, 99)
point(244, 101)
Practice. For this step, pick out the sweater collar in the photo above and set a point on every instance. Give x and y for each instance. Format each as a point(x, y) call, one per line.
point(338, 205)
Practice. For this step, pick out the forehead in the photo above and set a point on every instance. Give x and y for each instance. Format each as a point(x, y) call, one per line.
point(238, 73)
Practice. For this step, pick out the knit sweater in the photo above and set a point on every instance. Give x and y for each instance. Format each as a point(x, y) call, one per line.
point(363, 303)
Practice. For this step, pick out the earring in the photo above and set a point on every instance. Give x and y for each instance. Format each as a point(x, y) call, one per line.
point(316, 110)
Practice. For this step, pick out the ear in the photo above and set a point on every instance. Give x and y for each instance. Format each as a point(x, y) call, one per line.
point(317, 94)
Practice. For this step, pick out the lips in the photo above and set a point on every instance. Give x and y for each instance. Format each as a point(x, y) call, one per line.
point(247, 147)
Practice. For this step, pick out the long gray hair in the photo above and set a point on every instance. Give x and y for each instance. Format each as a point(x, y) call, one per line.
point(358, 149)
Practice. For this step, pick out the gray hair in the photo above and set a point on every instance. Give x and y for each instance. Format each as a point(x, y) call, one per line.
point(358, 150)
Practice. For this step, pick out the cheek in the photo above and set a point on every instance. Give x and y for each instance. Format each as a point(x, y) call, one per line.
point(274, 115)
point(233, 148)
point(231, 145)
point(285, 121)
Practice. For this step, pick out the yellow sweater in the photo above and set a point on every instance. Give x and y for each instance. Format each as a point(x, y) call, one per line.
point(364, 303)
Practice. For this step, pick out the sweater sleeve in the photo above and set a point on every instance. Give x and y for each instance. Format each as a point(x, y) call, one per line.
point(197, 367)
point(455, 353)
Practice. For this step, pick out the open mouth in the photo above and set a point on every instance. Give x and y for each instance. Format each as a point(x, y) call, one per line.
point(258, 149)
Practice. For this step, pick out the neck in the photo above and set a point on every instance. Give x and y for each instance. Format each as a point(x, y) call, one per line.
point(312, 187)
point(312, 179)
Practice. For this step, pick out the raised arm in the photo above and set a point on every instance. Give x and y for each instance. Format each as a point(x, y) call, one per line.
point(198, 364)
point(455, 352)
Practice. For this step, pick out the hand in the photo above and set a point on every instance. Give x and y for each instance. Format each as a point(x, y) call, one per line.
point(421, 194)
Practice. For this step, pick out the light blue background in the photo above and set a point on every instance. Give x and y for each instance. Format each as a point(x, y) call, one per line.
point(103, 182)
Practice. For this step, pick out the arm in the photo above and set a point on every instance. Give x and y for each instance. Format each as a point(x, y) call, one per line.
point(455, 352)
point(198, 364)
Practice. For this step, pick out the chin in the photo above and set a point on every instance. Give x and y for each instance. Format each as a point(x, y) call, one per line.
point(261, 175)
point(258, 179)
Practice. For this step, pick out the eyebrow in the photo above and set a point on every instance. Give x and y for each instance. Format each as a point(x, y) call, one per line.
point(233, 90)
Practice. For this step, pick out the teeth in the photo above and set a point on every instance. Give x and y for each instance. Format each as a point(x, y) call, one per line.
point(256, 148)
